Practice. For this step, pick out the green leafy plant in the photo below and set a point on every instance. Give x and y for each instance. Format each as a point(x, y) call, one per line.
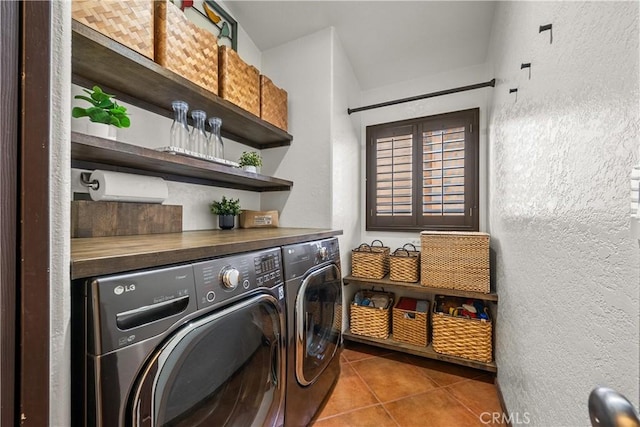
point(250, 158)
point(104, 109)
point(226, 207)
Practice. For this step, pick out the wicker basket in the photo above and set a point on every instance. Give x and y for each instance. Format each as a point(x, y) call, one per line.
point(410, 326)
point(370, 261)
point(239, 81)
point(404, 264)
point(462, 337)
point(273, 103)
point(455, 260)
point(127, 22)
point(184, 48)
point(372, 322)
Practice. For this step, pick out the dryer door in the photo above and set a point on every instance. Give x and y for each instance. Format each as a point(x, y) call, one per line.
point(318, 322)
point(225, 369)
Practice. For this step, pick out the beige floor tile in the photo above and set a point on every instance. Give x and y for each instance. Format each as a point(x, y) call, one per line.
point(374, 416)
point(349, 393)
point(435, 408)
point(391, 377)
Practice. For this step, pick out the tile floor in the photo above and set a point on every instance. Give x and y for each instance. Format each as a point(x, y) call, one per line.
point(380, 388)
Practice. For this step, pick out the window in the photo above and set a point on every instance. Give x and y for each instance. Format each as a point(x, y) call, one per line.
point(423, 173)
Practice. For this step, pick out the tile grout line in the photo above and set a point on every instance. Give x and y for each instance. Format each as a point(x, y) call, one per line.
point(462, 403)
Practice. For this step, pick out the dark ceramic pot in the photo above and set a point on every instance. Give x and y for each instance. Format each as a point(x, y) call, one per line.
point(226, 222)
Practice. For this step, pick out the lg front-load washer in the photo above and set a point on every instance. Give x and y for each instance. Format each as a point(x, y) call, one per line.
point(200, 344)
point(313, 287)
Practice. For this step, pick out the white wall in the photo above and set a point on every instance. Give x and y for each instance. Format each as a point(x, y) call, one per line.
point(560, 157)
point(59, 217)
point(345, 153)
point(303, 69)
point(460, 101)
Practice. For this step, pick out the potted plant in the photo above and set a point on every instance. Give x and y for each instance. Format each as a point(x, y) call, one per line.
point(227, 210)
point(250, 161)
point(104, 111)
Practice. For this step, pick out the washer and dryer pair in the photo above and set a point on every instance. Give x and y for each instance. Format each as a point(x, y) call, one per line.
point(220, 342)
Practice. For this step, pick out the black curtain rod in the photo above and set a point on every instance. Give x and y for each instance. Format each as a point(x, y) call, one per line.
point(491, 83)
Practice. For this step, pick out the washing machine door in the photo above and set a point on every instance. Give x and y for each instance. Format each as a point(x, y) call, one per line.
point(225, 369)
point(318, 322)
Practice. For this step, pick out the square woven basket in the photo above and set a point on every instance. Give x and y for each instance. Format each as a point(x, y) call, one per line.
point(370, 261)
point(184, 48)
point(127, 22)
point(239, 81)
point(404, 264)
point(273, 103)
point(410, 326)
point(455, 260)
point(372, 322)
point(462, 337)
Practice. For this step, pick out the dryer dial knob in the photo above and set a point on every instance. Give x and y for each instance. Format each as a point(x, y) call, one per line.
point(323, 254)
point(230, 277)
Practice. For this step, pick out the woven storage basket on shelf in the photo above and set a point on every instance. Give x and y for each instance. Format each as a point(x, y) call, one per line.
point(273, 103)
point(455, 260)
point(127, 22)
point(462, 337)
point(372, 322)
point(410, 326)
point(239, 81)
point(404, 264)
point(184, 48)
point(370, 261)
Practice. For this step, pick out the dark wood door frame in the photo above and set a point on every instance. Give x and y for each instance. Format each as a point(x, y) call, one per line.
point(9, 87)
point(34, 282)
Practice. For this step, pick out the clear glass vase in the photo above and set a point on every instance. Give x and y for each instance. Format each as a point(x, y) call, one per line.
point(216, 145)
point(179, 127)
point(198, 138)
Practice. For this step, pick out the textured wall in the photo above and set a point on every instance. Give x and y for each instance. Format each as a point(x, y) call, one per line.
point(560, 156)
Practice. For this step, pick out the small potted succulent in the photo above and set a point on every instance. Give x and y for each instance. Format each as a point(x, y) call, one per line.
point(103, 112)
point(227, 210)
point(250, 161)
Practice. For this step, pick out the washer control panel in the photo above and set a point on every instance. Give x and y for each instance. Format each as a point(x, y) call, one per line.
point(224, 278)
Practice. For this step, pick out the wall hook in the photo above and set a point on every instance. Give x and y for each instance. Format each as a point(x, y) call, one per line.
point(514, 90)
point(526, 65)
point(545, 28)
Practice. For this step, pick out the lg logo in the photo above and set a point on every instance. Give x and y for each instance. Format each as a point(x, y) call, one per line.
point(119, 290)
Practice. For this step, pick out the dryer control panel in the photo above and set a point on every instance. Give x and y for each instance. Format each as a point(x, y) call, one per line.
point(221, 279)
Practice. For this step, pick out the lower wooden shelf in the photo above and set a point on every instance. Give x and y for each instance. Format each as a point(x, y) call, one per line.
point(427, 351)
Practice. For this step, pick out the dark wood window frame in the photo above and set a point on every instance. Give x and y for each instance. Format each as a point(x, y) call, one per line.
point(415, 221)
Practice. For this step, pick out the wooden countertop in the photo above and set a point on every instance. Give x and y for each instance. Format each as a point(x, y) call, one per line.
point(96, 256)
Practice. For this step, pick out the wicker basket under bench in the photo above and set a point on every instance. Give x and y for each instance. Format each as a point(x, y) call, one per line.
point(372, 322)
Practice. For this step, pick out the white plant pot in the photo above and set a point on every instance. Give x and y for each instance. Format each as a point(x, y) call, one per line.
point(250, 169)
point(101, 130)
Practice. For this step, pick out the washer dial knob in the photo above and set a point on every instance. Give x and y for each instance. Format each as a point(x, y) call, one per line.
point(323, 253)
point(230, 277)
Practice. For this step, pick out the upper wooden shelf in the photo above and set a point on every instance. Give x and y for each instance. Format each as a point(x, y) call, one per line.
point(91, 152)
point(138, 80)
point(419, 288)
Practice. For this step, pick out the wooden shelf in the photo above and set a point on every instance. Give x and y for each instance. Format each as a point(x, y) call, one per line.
point(419, 288)
point(138, 80)
point(90, 152)
point(427, 351)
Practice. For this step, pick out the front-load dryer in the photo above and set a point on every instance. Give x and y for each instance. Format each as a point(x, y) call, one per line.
point(313, 287)
point(200, 344)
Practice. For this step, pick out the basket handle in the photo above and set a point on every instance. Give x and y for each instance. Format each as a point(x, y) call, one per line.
point(362, 248)
point(399, 251)
point(381, 244)
point(410, 244)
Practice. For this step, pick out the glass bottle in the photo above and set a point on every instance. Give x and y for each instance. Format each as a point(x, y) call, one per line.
point(216, 146)
point(198, 137)
point(179, 127)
